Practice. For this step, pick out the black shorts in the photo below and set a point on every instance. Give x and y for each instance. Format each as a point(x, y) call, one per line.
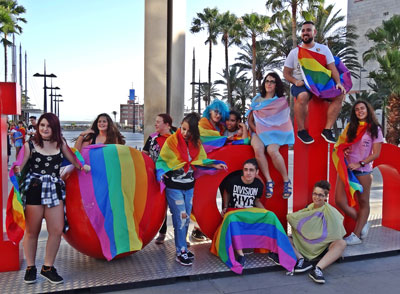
point(34, 192)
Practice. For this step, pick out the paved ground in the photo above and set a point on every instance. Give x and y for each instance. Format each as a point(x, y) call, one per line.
point(379, 275)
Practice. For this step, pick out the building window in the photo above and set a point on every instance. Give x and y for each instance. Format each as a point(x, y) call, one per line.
point(386, 13)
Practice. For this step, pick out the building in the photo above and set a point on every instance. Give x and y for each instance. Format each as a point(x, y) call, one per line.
point(365, 15)
point(126, 114)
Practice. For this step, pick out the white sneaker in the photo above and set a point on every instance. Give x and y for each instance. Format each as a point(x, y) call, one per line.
point(365, 230)
point(352, 239)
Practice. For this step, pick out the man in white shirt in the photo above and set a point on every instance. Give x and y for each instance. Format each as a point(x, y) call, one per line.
point(292, 73)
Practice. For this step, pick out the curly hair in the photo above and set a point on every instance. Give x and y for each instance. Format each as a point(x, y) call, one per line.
point(217, 105)
point(370, 119)
point(54, 124)
point(279, 89)
point(324, 185)
point(113, 134)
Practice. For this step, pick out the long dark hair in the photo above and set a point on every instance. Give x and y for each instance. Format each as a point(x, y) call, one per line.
point(112, 131)
point(54, 124)
point(192, 120)
point(279, 89)
point(370, 119)
point(167, 119)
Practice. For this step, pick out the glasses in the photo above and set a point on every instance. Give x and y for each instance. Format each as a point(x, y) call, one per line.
point(216, 111)
point(272, 82)
point(318, 194)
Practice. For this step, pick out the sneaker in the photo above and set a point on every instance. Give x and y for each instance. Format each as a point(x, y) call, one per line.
point(352, 239)
point(305, 137)
point(30, 275)
point(365, 230)
point(241, 259)
point(50, 274)
point(317, 276)
point(160, 239)
point(198, 235)
point(302, 266)
point(183, 259)
point(274, 258)
point(328, 136)
point(190, 255)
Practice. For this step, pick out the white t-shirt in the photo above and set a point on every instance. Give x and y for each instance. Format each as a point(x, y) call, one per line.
point(292, 60)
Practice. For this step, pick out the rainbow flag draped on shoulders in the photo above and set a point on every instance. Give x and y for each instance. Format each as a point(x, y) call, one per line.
point(317, 78)
point(213, 139)
point(118, 175)
point(351, 183)
point(252, 228)
point(15, 216)
point(174, 155)
point(272, 120)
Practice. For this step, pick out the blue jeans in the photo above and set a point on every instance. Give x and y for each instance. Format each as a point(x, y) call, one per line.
point(180, 202)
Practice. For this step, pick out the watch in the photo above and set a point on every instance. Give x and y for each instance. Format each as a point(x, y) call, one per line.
point(362, 163)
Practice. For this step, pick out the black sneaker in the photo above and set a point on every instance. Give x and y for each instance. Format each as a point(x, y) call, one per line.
point(50, 274)
point(190, 255)
point(305, 137)
point(241, 259)
point(302, 265)
point(328, 136)
point(198, 235)
point(317, 276)
point(183, 259)
point(30, 275)
point(274, 258)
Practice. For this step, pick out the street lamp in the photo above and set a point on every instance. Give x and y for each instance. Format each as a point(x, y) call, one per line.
point(199, 99)
point(44, 75)
point(57, 105)
point(361, 71)
point(51, 96)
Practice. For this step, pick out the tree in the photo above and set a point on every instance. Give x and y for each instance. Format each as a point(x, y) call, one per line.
point(255, 25)
point(208, 20)
point(205, 91)
point(232, 32)
point(115, 115)
point(10, 25)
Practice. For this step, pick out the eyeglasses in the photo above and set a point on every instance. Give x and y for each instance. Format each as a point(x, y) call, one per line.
point(216, 111)
point(318, 194)
point(270, 82)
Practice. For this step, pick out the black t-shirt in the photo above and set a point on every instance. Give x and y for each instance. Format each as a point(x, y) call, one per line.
point(243, 195)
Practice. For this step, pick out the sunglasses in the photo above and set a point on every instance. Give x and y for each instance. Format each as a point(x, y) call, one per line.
point(272, 82)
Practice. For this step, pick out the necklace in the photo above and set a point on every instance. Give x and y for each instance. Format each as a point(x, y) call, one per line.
point(46, 140)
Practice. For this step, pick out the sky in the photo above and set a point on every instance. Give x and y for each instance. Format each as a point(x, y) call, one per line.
point(96, 50)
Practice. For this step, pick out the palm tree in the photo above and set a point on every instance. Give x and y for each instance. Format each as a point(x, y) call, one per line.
point(282, 7)
point(10, 25)
point(235, 74)
point(243, 91)
point(232, 32)
point(255, 25)
point(206, 90)
point(208, 20)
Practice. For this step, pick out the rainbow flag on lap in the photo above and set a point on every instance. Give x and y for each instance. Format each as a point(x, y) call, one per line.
point(252, 228)
point(317, 78)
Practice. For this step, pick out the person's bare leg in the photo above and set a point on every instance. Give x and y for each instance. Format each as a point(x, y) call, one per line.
point(259, 151)
point(298, 254)
point(363, 202)
point(33, 224)
point(55, 223)
point(335, 251)
point(341, 199)
point(301, 109)
point(333, 111)
point(277, 160)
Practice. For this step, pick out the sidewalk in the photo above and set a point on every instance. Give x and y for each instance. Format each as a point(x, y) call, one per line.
point(378, 275)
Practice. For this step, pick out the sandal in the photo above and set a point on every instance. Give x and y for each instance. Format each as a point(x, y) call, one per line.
point(269, 189)
point(287, 189)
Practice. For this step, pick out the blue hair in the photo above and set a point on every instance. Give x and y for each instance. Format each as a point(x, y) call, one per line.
point(220, 106)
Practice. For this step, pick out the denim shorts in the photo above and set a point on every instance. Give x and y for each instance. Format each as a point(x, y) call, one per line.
point(297, 90)
point(358, 173)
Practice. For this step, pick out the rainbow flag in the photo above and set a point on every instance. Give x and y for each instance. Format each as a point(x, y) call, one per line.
point(272, 120)
point(213, 139)
point(109, 195)
point(252, 228)
point(15, 217)
point(351, 183)
point(317, 77)
point(174, 155)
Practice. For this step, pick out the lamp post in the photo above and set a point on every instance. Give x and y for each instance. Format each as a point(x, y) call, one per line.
point(199, 99)
point(44, 75)
point(361, 71)
point(52, 95)
point(57, 105)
